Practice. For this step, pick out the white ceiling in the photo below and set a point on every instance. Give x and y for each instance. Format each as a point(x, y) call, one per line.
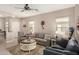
point(11, 10)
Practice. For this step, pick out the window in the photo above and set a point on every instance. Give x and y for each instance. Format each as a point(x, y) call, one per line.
point(31, 26)
point(62, 25)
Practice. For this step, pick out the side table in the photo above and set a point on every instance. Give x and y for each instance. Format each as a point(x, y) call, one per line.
point(52, 42)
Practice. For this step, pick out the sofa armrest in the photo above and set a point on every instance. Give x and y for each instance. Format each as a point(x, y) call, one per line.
point(49, 52)
point(69, 52)
point(55, 50)
point(59, 48)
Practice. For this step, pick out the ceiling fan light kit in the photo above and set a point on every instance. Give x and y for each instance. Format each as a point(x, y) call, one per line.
point(27, 8)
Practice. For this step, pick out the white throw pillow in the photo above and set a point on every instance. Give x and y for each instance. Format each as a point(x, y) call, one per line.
point(47, 36)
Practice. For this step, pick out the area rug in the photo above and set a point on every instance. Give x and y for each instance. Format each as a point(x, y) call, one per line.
point(16, 50)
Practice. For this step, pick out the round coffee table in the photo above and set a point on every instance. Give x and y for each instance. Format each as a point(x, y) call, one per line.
point(27, 45)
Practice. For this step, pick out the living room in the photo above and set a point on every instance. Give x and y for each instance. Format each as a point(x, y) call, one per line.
point(33, 29)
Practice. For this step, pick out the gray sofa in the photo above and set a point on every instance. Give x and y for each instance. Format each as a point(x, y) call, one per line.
point(42, 39)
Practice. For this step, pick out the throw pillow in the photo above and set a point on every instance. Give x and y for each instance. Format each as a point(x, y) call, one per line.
point(73, 45)
point(47, 36)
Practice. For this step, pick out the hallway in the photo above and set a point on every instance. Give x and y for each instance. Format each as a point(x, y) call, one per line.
point(3, 50)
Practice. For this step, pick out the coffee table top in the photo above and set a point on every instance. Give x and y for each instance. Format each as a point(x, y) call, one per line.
point(28, 41)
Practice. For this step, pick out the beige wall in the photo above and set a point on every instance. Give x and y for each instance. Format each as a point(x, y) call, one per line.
point(76, 21)
point(49, 18)
point(14, 28)
point(2, 24)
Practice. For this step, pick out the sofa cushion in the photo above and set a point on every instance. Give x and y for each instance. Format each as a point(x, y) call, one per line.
point(39, 35)
point(42, 40)
point(63, 42)
point(36, 35)
point(21, 34)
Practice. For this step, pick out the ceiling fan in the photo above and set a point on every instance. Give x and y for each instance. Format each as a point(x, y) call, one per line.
point(26, 8)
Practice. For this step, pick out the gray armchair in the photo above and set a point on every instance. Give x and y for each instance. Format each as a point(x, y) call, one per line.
point(22, 36)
